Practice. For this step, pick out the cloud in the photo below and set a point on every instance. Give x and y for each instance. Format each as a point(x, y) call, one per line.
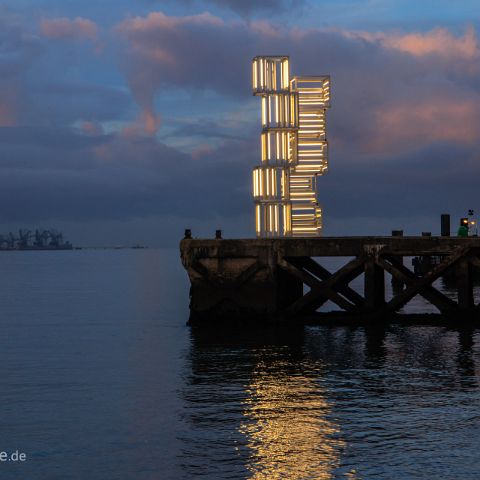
point(19, 50)
point(404, 115)
point(402, 128)
point(18, 47)
point(33, 81)
point(409, 124)
point(202, 150)
point(388, 89)
point(438, 42)
point(248, 7)
point(245, 8)
point(200, 51)
point(147, 122)
point(421, 184)
point(63, 179)
point(65, 102)
point(65, 28)
point(8, 115)
point(91, 128)
point(68, 174)
point(146, 54)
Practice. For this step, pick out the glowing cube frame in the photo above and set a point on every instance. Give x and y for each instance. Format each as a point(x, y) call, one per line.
point(294, 148)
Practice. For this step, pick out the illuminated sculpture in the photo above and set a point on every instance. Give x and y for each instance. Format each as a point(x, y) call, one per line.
point(293, 146)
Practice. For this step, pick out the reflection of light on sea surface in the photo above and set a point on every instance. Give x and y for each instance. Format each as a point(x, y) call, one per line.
point(287, 428)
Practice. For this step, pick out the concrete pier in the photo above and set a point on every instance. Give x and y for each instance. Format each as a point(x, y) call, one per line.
point(282, 278)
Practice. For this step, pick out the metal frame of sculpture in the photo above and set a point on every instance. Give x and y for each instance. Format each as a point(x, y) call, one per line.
point(294, 149)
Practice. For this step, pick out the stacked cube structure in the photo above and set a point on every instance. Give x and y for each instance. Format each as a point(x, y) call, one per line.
point(293, 149)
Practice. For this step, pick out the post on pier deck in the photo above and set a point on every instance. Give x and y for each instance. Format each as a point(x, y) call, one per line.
point(445, 224)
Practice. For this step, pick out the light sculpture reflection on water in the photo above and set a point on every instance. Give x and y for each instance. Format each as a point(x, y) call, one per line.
point(287, 426)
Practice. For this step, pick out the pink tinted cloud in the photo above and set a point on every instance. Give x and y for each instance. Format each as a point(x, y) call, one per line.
point(147, 123)
point(91, 128)
point(102, 152)
point(151, 121)
point(156, 20)
point(10, 105)
point(7, 115)
point(439, 42)
point(402, 96)
point(141, 32)
point(145, 48)
point(408, 125)
point(265, 28)
point(65, 28)
point(202, 150)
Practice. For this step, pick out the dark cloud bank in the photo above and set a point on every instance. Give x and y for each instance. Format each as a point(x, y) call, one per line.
point(402, 130)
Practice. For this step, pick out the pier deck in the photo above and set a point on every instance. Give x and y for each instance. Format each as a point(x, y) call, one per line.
point(283, 278)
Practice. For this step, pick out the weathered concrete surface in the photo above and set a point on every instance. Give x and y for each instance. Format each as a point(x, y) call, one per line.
point(329, 246)
point(260, 278)
point(236, 278)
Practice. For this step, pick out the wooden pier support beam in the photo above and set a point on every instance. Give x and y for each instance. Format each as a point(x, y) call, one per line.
point(270, 279)
point(397, 284)
point(288, 288)
point(374, 285)
point(464, 284)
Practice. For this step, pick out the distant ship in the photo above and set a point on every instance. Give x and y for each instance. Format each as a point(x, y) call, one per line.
point(40, 240)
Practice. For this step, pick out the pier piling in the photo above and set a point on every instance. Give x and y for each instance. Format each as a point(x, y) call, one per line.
point(283, 278)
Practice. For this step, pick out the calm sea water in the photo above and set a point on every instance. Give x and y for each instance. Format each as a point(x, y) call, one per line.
point(101, 379)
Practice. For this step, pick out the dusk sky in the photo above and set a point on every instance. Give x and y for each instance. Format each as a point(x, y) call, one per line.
point(127, 121)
